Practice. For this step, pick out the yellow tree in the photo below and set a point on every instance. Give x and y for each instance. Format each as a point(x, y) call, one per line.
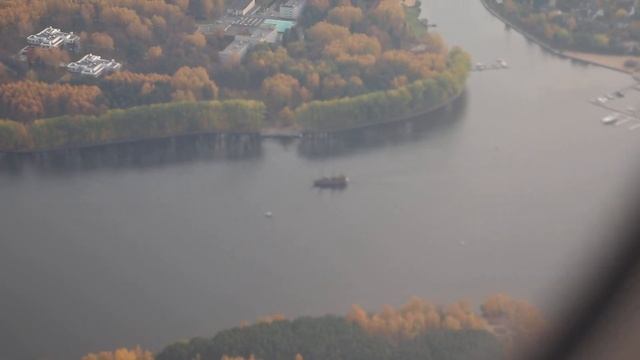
point(121, 354)
point(281, 90)
point(323, 32)
point(345, 15)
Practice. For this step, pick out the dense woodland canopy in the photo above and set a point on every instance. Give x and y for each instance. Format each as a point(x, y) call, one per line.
point(346, 60)
point(416, 330)
point(333, 338)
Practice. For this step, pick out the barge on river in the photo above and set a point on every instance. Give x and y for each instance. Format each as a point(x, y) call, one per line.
point(334, 182)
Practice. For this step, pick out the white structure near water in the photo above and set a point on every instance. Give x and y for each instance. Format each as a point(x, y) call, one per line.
point(93, 65)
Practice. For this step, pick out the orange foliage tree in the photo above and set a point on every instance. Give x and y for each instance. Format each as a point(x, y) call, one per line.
point(27, 100)
point(415, 318)
point(121, 354)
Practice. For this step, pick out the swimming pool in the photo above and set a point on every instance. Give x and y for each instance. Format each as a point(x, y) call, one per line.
point(281, 25)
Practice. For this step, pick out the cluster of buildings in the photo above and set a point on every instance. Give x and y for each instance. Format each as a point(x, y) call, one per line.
point(250, 25)
point(93, 65)
point(52, 38)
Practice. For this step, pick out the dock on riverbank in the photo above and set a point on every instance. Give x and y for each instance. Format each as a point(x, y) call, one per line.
point(281, 133)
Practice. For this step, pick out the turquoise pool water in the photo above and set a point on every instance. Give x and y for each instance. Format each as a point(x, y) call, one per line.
point(281, 25)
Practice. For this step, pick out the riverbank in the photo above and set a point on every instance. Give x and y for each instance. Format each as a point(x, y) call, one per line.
point(611, 62)
point(289, 133)
point(136, 124)
point(449, 102)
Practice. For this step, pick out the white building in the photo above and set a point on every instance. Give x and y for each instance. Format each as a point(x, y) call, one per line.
point(93, 65)
point(255, 35)
point(291, 9)
point(246, 37)
point(234, 52)
point(53, 38)
point(241, 7)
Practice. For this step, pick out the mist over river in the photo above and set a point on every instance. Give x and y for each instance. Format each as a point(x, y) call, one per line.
point(508, 191)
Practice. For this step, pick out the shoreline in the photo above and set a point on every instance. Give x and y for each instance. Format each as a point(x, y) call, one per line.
point(267, 133)
point(601, 60)
point(285, 133)
point(131, 141)
point(398, 119)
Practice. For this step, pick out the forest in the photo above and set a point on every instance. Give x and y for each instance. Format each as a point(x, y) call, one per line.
point(416, 330)
point(347, 63)
point(606, 26)
point(136, 123)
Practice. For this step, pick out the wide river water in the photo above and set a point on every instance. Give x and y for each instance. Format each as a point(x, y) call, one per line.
point(511, 191)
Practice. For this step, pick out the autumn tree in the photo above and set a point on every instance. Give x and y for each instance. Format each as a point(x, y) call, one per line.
point(266, 62)
point(226, 357)
point(346, 16)
point(4, 73)
point(415, 318)
point(389, 15)
point(357, 50)
point(271, 318)
point(196, 39)
point(154, 52)
point(526, 320)
point(193, 84)
point(53, 58)
point(121, 354)
point(27, 100)
point(333, 86)
point(102, 40)
point(281, 90)
point(323, 33)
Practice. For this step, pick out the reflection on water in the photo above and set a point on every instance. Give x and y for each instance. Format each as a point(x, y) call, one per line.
point(157, 152)
point(211, 147)
point(504, 192)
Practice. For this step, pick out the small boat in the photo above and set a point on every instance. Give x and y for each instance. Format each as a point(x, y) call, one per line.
point(502, 63)
point(334, 182)
point(610, 119)
point(268, 214)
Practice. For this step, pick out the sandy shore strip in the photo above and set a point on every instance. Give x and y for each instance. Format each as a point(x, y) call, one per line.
point(614, 62)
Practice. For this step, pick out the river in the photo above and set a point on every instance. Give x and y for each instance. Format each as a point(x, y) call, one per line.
point(509, 191)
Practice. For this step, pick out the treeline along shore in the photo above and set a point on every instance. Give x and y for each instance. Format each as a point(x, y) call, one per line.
point(237, 116)
point(584, 50)
point(419, 97)
point(133, 124)
point(342, 65)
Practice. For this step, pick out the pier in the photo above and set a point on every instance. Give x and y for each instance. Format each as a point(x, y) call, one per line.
point(499, 64)
point(623, 105)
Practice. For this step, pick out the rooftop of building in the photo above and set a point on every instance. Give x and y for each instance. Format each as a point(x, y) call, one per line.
point(255, 32)
point(90, 60)
point(51, 33)
point(292, 3)
point(235, 46)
